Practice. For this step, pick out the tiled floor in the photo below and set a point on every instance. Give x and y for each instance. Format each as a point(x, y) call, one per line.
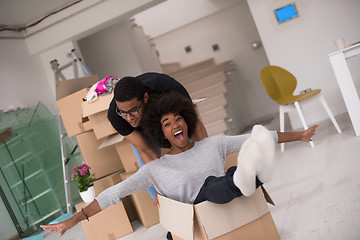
point(316, 190)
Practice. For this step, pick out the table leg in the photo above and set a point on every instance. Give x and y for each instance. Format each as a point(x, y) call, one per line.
point(347, 88)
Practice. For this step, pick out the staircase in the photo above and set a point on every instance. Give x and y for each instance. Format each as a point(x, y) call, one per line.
point(206, 79)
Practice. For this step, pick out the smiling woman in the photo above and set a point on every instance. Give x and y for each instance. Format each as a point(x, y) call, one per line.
point(175, 130)
point(193, 172)
point(158, 107)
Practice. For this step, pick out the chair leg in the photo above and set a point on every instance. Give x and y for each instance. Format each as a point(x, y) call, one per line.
point(297, 105)
point(282, 125)
point(328, 111)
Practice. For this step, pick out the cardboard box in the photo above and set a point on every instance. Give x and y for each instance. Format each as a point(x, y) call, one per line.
point(147, 211)
point(70, 111)
point(111, 180)
point(96, 111)
point(124, 150)
point(243, 218)
point(127, 156)
point(69, 99)
point(231, 160)
point(70, 86)
point(110, 224)
point(103, 161)
point(106, 182)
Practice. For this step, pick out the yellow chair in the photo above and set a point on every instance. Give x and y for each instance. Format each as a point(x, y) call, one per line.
point(280, 85)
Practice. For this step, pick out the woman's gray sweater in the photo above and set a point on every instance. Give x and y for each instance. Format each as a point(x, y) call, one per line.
point(179, 176)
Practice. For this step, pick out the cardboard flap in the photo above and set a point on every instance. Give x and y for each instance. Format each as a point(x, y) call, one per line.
point(176, 217)
point(99, 105)
point(267, 196)
point(111, 140)
point(70, 111)
point(218, 219)
point(70, 86)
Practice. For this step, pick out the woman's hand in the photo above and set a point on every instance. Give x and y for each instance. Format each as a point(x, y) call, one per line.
point(60, 227)
point(306, 135)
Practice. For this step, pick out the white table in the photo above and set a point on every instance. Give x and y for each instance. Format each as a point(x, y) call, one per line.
point(346, 83)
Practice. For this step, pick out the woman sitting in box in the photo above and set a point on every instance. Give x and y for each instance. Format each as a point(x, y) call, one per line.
point(192, 172)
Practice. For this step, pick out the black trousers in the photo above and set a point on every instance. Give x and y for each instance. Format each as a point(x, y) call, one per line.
point(220, 189)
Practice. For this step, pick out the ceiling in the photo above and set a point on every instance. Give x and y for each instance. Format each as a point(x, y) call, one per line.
point(17, 14)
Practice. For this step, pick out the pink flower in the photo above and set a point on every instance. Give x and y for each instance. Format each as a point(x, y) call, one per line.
point(75, 168)
point(74, 175)
point(82, 173)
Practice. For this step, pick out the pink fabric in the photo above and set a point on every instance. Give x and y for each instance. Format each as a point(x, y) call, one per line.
point(101, 85)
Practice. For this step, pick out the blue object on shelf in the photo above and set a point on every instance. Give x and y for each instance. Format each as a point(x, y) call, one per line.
point(36, 237)
point(62, 218)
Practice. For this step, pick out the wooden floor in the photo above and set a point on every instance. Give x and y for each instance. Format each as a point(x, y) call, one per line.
point(316, 190)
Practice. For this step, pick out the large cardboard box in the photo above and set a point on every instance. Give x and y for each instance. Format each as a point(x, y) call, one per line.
point(111, 180)
point(69, 99)
point(102, 161)
point(242, 218)
point(110, 224)
point(103, 183)
point(147, 211)
point(127, 156)
point(70, 111)
point(124, 150)
point(96, 111)
point(70, 86)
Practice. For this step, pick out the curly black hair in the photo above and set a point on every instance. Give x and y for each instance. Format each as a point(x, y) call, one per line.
point(160, 105)
point(128, 88)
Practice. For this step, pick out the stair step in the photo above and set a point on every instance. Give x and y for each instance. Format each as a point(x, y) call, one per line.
point(216, 128)
point(207, 81)
point(211, 91)
point(205, 72)
point(211, 103)
point(192, 68)
point(170, 67)
point(213, 115)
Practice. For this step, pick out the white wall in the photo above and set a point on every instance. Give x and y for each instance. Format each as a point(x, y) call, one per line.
point(173, 14)
point(233, 28)
point(60, 53)
point(89, 20)
point(144, 49)
point(23, 79)
point(118, 51)
point(302, 45)
point(108, 53)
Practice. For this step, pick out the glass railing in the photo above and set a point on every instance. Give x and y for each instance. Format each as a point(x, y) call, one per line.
point(31, 176)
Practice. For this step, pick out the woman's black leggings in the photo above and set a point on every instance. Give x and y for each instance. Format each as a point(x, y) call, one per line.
point(220, 189)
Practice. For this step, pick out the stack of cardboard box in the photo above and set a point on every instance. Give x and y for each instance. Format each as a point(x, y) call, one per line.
point(143, 205)
point(70, 94)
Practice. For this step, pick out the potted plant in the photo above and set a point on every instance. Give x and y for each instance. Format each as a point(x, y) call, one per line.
point(85, 181)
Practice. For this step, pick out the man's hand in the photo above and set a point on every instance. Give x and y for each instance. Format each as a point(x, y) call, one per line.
point(306, 135)
point(60, 227)
point(156, 202)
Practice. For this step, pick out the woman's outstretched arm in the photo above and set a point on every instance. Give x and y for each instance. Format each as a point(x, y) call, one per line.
point(90, 210)
point(304, 136)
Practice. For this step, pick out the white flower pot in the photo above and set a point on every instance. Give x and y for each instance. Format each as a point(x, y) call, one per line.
point(89, 195)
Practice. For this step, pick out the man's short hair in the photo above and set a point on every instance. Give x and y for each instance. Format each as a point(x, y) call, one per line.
point(160, 105)
point(128, 88)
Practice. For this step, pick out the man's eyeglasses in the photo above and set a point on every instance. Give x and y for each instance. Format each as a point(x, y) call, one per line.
point(133, 113)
